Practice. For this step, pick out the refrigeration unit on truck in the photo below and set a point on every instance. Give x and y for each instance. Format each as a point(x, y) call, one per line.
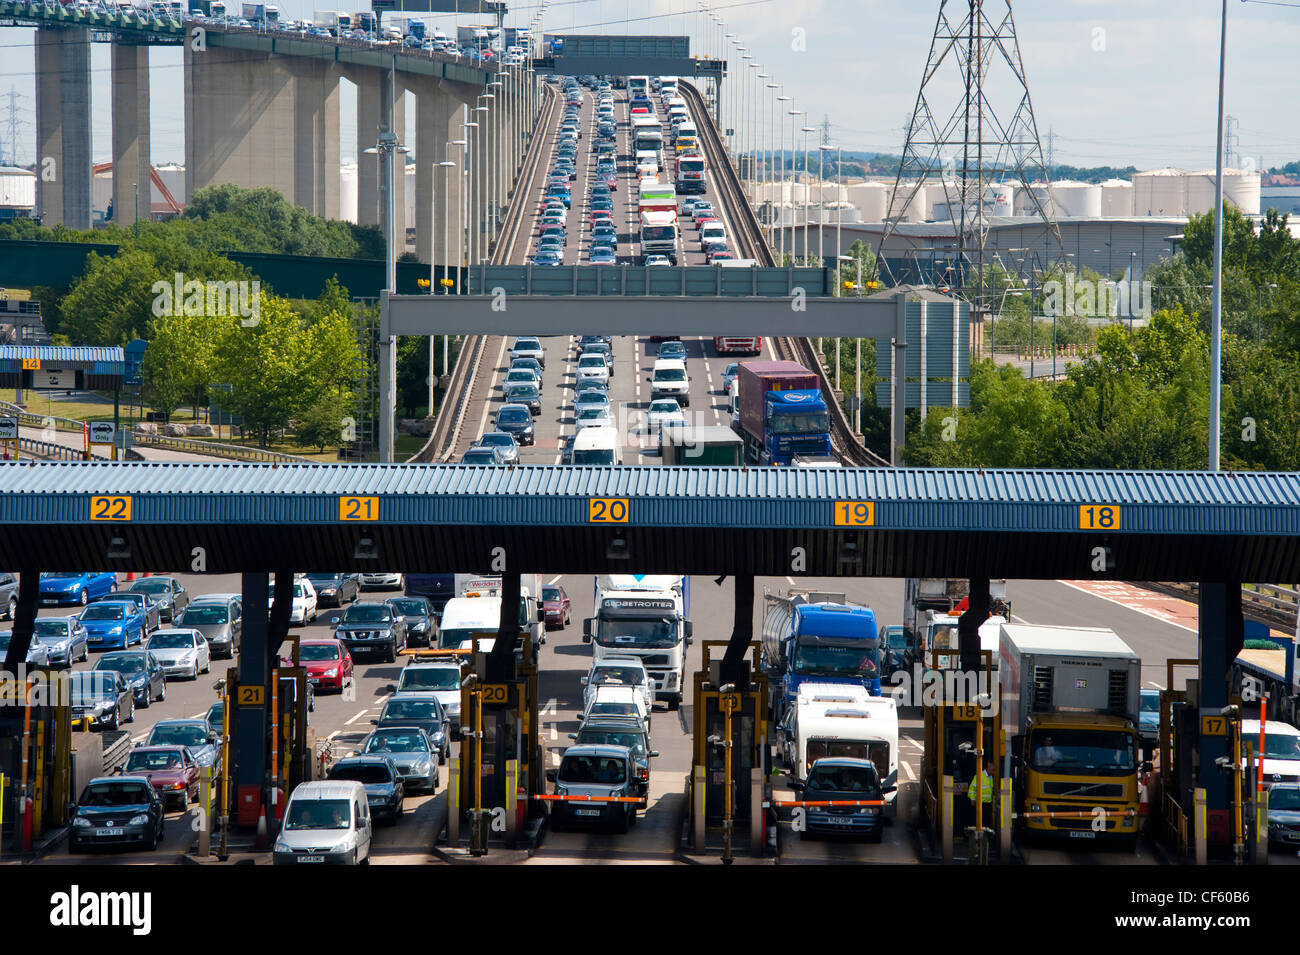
point(1070, 702)
point(782, 412)
point(644, 616)
point(946, 597)
point(818, 638)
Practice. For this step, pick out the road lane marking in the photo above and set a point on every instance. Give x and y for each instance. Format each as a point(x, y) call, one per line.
point(1154, 615)
point(357, 717)
point(907, 769)
point(554, 580)
point(490, 397)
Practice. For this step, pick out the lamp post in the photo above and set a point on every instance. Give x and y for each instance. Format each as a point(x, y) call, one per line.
point(482, 228)
point(822, 150)
point(779, 209)
point(1216, 323)
point(388, 147)
point(498, 131)
point(771, 162)
point(466, 203)
point(807, 180)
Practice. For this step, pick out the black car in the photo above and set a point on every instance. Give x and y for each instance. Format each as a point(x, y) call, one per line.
point(521, 392)
point(418, 709)
point(105, 697)
point(517, 419)
point(167, 592)
point(142, 672)
point(117, 811)
point(421, 626)
point(385, 790)
point(370, 627)
point(334, 590)
point(621, 732)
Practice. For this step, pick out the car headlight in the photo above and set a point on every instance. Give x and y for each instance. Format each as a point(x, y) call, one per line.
point(139, 819)
point(81, 822)
point(115, 631)
point(331, 672)
point(421, 766)
point(561, 791)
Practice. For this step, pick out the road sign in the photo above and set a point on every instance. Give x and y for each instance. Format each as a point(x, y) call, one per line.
point(8, 429)
point(102, 432)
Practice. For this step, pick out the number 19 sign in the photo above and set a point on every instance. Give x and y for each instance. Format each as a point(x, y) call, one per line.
point(855, 513)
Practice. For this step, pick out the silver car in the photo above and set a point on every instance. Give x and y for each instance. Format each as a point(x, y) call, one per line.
point(411, 749)
point(595, 770)
point(182, 651)
point(217, 618)
point(38, 655)
point(168, 592)
point(504, 442)
point(65, 639)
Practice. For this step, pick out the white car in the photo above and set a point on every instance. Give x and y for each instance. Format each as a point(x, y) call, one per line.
point(616, 700)
point(382, 581)
point(657, 260)
point(181, 651)
point(593, 367)
point(712, 234)
point(523, 375)
point(593, 416)
point(304, 601)
point(664, 411)
point(527, 348)
point(619, 671)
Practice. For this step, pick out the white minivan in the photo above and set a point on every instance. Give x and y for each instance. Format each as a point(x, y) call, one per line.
point(326, 821)
point(669, 380)
point(597, 446)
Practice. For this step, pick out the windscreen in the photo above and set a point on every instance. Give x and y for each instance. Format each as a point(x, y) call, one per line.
point(416, 608)
point(181, 735)
point(318, 814)
point(843, 660)
point(633, 741)
point(670, 374)
point(108, 795)
point(615, 675)
point(367, 613)
point(86, 687)
point(877, 751)
point(153, 585)
point(595, 456)
point(429, 678)
point(103, 612)
point(368, 774)
point(1286, 800)
point(139, 762)
point(317, 652)
point(1082, 750)
point(844, 779)
point(658, 233)
point(132, 664)
point(1278, 746)
point(804, 423)
point(451, 639)
point(203, 615)
point(647, 633)
point(592, 769)
point(171, 641)
point(397, 742)
point(410, 710)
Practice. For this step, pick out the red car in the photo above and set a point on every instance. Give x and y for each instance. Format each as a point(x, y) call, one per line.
point(556, 606)
point(171, 771)
point(611, 180)
point(327, 662)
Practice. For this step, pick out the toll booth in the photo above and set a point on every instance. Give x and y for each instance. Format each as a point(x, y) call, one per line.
point(35, 757)
point(959, 735)
point(728, 786)
point(498, 766)
point(288, 751)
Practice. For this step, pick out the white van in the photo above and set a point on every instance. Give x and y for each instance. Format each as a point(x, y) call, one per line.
point(1281, 750)
point(843, 720)
point(670, 380)
point(464, 618)
point(597, 446)
point(326, 821)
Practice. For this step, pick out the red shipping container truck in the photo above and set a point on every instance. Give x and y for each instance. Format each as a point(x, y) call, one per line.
point(757, 378)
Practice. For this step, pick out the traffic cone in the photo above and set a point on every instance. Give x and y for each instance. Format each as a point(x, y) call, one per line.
point(261, 841)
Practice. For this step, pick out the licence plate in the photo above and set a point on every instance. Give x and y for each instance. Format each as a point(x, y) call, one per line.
point(49, 600)
point(1083, 834)
point(586, 812)
point(110, 832)
point(309, 858)
point(840, 821)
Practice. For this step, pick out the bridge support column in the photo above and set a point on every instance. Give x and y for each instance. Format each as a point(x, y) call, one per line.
point(434, 111)
point(132, 179)
point(316, 137)
point(239, 121)
point(1220, 634)
point(368, 84)
point(63, 175)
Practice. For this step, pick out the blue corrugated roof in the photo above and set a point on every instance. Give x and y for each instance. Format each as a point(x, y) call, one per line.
point(918, 499)
point(64, 353)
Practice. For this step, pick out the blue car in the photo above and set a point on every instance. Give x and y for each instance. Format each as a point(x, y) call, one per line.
point(57, 589)
point(113, 625)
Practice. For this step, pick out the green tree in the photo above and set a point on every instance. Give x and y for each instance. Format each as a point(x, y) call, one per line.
point(322, 424)
point(266, 364)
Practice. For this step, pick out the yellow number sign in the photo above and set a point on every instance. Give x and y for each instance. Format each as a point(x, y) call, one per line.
point(1098, 517)
point(358, 508)
point(607, 510)
point(855, 513)
point(110, 508)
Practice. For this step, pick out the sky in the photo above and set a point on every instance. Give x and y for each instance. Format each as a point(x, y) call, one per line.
point(1114, 82)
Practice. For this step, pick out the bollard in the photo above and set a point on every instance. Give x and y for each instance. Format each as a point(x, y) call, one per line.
point(697, 816)
point(453, 801)
point(512, 800)
point(205, 811)
point(757, 818)
point(1004, 821)
point(1198, 827)
point(945, 816)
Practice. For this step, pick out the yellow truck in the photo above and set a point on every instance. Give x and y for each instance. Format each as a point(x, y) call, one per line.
point(1070, 700)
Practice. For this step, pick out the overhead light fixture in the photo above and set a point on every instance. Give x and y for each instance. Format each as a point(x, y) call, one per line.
point(119, 549)
point(365, 550)
point(617, 550)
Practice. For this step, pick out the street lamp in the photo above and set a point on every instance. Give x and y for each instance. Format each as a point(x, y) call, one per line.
point(780, 142)
point(484, 186)
point(806, 189)
point(769, 132)
point(822, 150)
point(1216, 322)
point(467, 182)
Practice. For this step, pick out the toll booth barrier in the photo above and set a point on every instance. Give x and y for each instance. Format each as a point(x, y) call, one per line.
point(36, 758)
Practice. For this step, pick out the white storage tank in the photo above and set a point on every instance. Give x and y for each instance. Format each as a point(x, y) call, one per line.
point(1043, 193)
point(937, 193)
point(1117, 197)
point(1239, 188)
point(1161, 192)
point(1078, 199)
point(1000, 199)
point(17, 188)
point(348, 192)
point(871, 199)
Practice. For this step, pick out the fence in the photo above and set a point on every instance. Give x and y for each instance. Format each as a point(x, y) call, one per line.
point(212, 449)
